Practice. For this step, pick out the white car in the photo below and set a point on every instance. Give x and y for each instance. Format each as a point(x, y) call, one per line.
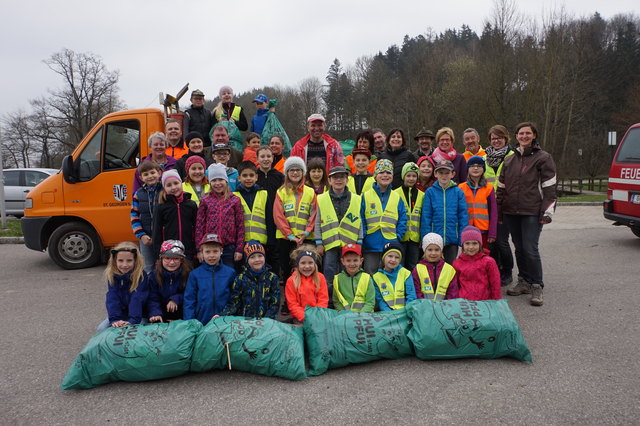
point(18, 183)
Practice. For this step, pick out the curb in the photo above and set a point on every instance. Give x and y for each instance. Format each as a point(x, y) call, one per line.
point(580, 203)
point(11, 240)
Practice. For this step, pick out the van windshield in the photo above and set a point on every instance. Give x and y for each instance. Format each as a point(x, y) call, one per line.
point(630, 150)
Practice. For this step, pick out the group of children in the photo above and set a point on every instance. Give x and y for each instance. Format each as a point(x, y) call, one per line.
point(338, 239)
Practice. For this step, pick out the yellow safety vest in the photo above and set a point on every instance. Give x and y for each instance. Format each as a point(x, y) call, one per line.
point(377, 219)
point(368, 184)
point(235, 114)
point(298, 217)
point(445, 278)
point(188, 188)
point(334, 233)
point(393, 295)
point(359, 298)
point(413, 216)
point(255, 222)
point(492, 176)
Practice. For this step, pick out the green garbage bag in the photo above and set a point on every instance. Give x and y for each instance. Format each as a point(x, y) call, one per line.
point(460, 328)
point(335, 339)
point(272, 128)
point(347, 146)
point(235, 137)
point(134, 353)
point(260, 345)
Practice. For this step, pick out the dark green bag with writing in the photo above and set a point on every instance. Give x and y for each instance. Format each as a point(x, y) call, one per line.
point(259, 345)
point(335, 339)
point(460, 328)
point(272, 128)
point(134, 353)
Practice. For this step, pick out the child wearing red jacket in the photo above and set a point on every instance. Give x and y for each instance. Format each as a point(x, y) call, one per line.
point(306, 286)
point(478, 274)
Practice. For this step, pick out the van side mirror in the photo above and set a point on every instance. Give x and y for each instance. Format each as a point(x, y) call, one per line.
point(69, 170)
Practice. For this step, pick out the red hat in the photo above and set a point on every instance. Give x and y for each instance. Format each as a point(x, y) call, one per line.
point(352, 248)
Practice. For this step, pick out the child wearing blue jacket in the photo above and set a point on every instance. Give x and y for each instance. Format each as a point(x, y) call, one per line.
point(167, 283)
point(127, 287)
point(384, 216)
point(393, 283)
point(207, 291)
point(444, 210)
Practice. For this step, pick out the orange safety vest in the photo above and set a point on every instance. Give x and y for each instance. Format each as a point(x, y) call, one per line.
point(279, 166)
point(477, 205)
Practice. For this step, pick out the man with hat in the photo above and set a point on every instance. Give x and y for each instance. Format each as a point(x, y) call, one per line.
point(220, 135)
point(258, 121)
point(318, 144)
point(338, 222)
point(198, 118)
point(424, 139)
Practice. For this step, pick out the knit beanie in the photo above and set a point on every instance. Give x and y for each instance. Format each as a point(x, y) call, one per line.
point(383, 165)
point(295, 163)
point(426, 158)
point(471, 233)
point(362, 151)
point(217, 171)
point(432, 238)
point(225, 89)
point(192, 160)
point(476, 159)
point(410, 167)
point(253, 247)
point(193, 135)
point(168, 174)
point(392, 246)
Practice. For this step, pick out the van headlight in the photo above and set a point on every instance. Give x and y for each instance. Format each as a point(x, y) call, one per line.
point(28, 203)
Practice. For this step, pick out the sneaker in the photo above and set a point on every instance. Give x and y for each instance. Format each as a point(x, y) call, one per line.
point(536, 295)
point(521, 287)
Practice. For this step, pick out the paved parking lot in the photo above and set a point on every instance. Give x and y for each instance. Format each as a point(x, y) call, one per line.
point(584, 343)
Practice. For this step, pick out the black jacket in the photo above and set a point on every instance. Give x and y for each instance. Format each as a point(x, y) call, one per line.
point(198, 120)
point(399, 158)
point(175, 221)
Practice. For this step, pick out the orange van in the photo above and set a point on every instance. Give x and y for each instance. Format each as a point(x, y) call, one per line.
point(623, 195)
point(78, 213)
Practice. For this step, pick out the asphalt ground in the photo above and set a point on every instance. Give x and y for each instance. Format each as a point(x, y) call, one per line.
point(584, 341)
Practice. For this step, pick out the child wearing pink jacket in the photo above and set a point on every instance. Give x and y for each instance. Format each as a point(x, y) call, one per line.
point(478, 274)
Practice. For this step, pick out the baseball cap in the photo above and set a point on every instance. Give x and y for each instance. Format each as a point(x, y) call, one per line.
point(338, 169)
point(210, 239)
point(444, 164)
point(315, 117)
point(261, 98)
point(172, 248)
point(197, 92)
point(351, 248)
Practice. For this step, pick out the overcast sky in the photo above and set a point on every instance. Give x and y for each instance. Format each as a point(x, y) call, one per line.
point(160, 45)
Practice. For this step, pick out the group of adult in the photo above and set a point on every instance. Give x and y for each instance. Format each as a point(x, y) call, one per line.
point(524, 175)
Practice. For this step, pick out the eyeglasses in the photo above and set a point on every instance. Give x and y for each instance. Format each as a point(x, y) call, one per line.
point(295, 170)
point(172, 259)
point(475, 166)
point(496, 138)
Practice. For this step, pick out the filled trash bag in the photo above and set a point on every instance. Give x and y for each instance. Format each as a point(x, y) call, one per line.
point(235, 137)
point(335, 339)
point(134, 353)
point(460, 328)
point(273, 127)
point(347, 145)
point(260, 345)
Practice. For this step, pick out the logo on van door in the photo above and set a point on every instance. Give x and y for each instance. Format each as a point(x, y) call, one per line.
point(120, 192)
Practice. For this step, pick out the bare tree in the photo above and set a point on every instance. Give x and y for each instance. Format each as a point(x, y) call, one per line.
point(311, 95)
point(90, 91)
point(16, 139)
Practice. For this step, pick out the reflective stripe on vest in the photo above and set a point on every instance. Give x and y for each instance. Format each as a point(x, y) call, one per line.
point(334, 233)
point(297, 216)
point(188, 187)
point(255, 222)
point(351, 185)
point(393, 295)
point(235, 114)
point(446, 275)
point(376, 219)
point(477, 205)
point(413, 216)
point(359, 298)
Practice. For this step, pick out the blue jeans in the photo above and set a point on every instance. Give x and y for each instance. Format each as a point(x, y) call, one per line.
point(227, 255)
point(450, 253)
point(410, 255)
point(149, 258)
point(331, 267)
point(525, 233)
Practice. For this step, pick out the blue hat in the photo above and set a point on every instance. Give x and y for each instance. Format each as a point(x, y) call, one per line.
point(261, 98)
point(476, 159)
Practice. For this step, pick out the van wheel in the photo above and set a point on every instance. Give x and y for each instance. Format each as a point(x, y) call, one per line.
point(74, 245)
point(636, 231)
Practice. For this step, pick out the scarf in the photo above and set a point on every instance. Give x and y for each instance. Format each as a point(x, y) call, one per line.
point(439, 155)
point(496, 156)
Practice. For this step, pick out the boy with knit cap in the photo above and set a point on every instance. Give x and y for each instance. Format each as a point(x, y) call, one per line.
point(393, 283)
point(352, 288)
point(478, 274)
point(433, 278)
point(481, 200)
point(255, 292)
point(384, 216)
point(412, 198)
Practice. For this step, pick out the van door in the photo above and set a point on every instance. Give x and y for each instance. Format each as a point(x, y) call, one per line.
point(106, 166)
point(624, 176)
